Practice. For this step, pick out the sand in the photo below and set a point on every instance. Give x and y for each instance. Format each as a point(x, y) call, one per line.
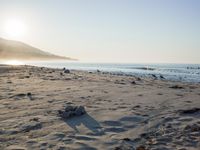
point(122, 112)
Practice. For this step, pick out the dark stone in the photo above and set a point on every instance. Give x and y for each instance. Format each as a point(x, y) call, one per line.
point(190, 111)
point(192, 128)
point(162, 77)
point(29, 94)
point(133, 82)
point(31, 126)
point(35, 119)
point(126, 139)
point(124, 147)
point(141, 148)
point(176, 87)
point(137, 106)
point(66, 71)
point(153, 75)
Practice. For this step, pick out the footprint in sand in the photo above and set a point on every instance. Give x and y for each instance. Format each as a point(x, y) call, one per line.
point(18, 96)
point(111, 123)
point(22, 95)
point(115, 129)
point(15, 147)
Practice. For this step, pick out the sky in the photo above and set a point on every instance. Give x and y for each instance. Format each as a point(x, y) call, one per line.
point(123, 31)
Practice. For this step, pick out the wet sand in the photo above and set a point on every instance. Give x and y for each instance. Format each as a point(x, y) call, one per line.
point(122, 112)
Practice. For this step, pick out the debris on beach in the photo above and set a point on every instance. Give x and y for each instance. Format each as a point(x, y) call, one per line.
point(71, 111)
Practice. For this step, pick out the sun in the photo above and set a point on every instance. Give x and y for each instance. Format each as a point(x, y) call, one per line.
point(15, 28)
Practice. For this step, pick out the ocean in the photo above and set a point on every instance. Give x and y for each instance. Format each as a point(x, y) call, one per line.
point(172, 72)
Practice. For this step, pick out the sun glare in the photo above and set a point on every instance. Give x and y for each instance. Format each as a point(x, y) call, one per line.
point(15, 28)
point(14, 62)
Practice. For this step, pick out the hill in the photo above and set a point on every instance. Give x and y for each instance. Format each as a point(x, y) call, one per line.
point(10, 49)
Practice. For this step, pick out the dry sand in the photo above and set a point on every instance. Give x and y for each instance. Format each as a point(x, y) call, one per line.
point(122, 112)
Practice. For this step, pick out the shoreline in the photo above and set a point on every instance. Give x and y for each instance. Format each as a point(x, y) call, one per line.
point(151, 76)
point(143, 70)
point(121, 112)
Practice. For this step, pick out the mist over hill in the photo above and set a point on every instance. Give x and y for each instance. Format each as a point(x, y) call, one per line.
point(10, 49)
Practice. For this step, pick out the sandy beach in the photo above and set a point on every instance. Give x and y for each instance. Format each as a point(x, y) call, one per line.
point(121, 112)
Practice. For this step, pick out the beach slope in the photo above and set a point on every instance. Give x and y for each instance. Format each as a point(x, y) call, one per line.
point(121, 112)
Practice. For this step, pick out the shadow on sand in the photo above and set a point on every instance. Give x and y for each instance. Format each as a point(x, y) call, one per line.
point(87, 121)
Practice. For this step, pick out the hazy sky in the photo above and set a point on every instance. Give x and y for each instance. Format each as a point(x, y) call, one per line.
point(110, 30)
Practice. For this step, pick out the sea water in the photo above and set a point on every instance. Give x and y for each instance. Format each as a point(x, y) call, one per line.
point(173, 72)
